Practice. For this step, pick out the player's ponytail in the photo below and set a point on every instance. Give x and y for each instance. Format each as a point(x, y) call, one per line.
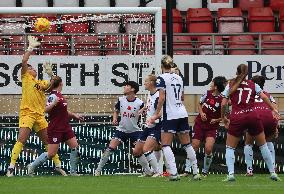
point(259, 79)
point(167, 62)
point(242, 72)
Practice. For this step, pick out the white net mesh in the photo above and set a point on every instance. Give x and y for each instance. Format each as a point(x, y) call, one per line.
point(113, 34)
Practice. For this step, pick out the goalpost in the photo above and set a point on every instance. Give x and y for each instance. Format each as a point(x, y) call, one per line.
point(100, 10)
point(156, 11)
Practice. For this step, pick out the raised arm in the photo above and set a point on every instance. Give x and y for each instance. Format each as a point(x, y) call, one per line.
point(33, 42)
point(25, 62)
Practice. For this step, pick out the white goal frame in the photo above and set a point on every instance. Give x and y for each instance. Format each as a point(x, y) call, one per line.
point(103, 10)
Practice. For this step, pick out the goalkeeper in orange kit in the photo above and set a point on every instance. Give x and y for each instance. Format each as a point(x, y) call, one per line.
point(32, 108)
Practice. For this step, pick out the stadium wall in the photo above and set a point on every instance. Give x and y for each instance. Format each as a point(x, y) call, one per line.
point(92, 84)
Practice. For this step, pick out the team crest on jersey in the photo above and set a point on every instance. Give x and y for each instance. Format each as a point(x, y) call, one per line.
point(50, 99)
point(217, 104)
point(158, 81)
point(54, 139)
point(129, 108)
point(212, 101)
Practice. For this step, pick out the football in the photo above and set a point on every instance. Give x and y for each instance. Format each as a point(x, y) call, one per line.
point(42, 25)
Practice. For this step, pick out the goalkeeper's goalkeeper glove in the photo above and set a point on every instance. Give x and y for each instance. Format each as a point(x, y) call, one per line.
point(48, 69)
point(33, 42)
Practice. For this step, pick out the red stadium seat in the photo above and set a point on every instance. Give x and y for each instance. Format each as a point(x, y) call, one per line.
point(54, 45)
point(281, 19)
point(205, 45)
point(10, 23)
point(2, 47)
point(177, 21)
point(261, 20)
point(241, 45)
point(181, 39)
point(276, 4)
point(245, 5)
point(176, 16)
point(272, 45)
point(113, 43)
point(214, 5)
point(75, 27)
point(180, 49)
point(230, 20)
point(199, 20)
point(16, 45)
point(107, 25)
point(144, 45)
point(182, 45)
point(138, 24)
point(87, 45)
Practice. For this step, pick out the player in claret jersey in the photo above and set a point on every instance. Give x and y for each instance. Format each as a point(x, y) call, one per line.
point(207, 122)
point(269, 124)
point(243, 117)
point(59, 130)
point(128, 106)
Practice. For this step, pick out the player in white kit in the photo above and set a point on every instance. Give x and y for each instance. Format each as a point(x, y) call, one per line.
point(175, 118)
point(128, 106)
point(150, 137)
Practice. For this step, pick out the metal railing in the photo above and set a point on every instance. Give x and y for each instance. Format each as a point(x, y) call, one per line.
point(135, 46)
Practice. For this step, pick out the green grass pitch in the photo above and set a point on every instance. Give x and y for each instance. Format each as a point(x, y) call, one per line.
point(119, 184)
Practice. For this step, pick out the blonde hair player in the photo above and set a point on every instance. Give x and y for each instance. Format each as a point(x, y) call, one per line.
point(32, 109)
point(149, 139)
point(175, 118)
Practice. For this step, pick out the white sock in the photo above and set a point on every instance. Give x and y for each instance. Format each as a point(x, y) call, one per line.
point(170, 160)
point(192, 157)
point(248, 157)
point(39, 160)
point(104, 159)
point(151, 158)
point(267, 157)
point(270, 146)
point(144, 163)
point(230, 159)
point(187, 165)
point(160, 161)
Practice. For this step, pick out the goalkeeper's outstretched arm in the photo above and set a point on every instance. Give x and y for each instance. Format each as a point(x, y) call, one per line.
point(33, 42)
point(25, 62)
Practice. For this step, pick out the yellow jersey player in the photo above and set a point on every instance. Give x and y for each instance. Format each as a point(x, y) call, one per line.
point(32, 109)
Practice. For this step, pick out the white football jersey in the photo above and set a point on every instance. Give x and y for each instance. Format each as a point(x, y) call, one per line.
point(129, 114)
point(152, 102)
point(173, 107)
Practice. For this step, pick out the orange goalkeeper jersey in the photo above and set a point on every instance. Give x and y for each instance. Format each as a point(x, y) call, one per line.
point(33, 94)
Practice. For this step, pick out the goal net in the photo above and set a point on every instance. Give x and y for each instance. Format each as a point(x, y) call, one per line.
point(95, 51)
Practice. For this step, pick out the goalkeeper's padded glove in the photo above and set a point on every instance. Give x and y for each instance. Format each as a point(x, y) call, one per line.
point(48, 69)
point(33, 42)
